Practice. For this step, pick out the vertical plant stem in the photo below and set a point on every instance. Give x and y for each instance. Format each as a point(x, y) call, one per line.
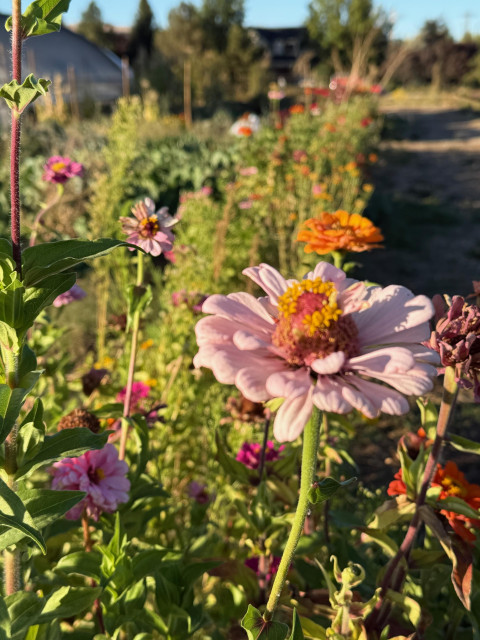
point(131, 367)
point(328, 471)
point(261, 465)
point(12, 559)
point(88, 544)
point(15, 139)
point(309, 465)
point(450, 389)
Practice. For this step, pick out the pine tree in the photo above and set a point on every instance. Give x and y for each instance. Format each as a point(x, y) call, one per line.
point(91, 25)
point(141, 38)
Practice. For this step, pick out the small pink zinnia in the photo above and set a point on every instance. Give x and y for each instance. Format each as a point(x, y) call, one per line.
point(100, 474)
point(73, 294)
point(140, 390)
point(316, 342)
point(59, 170)
point(149, 229)
point(250, 454)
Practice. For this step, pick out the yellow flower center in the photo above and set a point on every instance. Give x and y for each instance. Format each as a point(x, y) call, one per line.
point(100, 473)
point(149, 226)
point(453, 488)
point(310, 325)
point(58, 166)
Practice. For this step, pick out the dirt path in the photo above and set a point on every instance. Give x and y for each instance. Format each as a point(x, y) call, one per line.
point(427, 202)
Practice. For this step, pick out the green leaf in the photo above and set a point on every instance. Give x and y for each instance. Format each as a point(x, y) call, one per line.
point(31, 434)
point(452, 503)
point(408, 605)
point(19, 96)
point(392, 512)
point(37, 298)
point(259, 629)
point(464, 444)
point(324, 490)
point(193, 571)
point(313, 630)
point(82, 562)
point(388, 545)
point(146, 563)
point(297, 633)
point(11, 402)
point(24, 608)
point(69, 601)
point(234, 468)
point(139, 298)
point(49, 258)
point(5, 625)
point(14, 514)
point(68, 443)
point(41, 17)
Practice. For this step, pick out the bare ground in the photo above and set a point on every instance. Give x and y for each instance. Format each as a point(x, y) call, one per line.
point(427, 202)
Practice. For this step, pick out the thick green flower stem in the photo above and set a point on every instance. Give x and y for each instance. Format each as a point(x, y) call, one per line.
point(394, 573)
point(309, 465)
point(131, 367)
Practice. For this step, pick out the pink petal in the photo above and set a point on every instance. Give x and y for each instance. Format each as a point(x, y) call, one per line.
point(214, 329)
point(268, 279)
point(251, 381)
point(416, 382)
point(388, 360)
point(327, 396)
point(292, 416)
point(246, 342)
point(243, 309)
point(352, 298)
point(326, 271)
point(281, 385)
point(385, 399)
point(329, 365)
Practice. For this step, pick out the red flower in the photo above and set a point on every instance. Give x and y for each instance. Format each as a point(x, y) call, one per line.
point(452, 483)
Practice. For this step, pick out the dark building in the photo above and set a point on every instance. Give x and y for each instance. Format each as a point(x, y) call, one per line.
point(284, 48)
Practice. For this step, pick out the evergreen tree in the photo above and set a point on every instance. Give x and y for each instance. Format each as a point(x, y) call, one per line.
point(91, 25)
point(142, 34)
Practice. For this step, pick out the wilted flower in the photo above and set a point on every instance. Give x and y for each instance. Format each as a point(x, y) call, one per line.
point(149, 229)
point(79, 418)
point(339, 231)
point(457, 339)
point(59, 170)
point(315, 342)
point(452, 483)
point(251, 453)
point(92, 379)
point(73, 294)
point(100, 474)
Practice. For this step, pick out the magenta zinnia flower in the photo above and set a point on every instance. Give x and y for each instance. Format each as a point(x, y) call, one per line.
point(316, 342)
point(59, 170)
point(149, 229)
point(251, 453)
point(100, 474)
point(140, 390)
point(73, 294)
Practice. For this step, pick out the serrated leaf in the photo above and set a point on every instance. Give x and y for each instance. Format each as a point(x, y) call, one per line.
point(259, 629)
point(324, 490)
point(14, 514)
point(50, 258)
point(41, 17)
point(19, 96)
point(68, 443)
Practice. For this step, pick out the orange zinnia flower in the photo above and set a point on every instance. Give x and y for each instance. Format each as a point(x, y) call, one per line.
point(245, 131)
point(452, 483)
point(339, 231)
point(297, 108)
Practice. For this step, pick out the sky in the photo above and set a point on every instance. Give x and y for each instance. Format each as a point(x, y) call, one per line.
point(409, 15)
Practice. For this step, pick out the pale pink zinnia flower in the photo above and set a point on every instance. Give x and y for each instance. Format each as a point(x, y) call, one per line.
point(75, 293)
point(100, 474)
point(149, 229)
point(59, 170)
point(316, 342)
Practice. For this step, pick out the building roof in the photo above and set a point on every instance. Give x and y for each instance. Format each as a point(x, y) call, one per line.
point(97, 73)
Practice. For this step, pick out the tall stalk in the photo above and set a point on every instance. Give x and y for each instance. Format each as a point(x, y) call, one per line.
point(12, 559)
point(127, 405)
point(309, 465)
point(393, 577)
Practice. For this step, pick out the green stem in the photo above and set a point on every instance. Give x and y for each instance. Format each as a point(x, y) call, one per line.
point(309, 465)
point(131, 367)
